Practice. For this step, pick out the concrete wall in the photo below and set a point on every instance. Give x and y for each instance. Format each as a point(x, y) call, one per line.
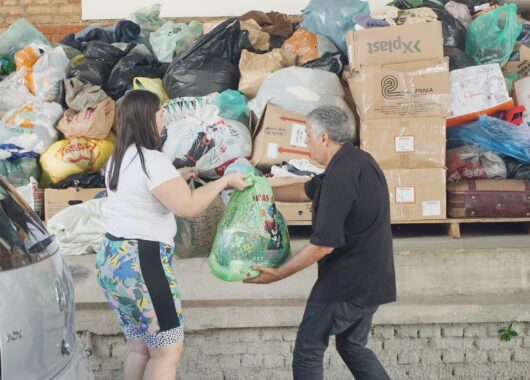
point(427, 351)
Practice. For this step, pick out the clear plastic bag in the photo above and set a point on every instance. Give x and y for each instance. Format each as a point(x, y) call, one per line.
point(471, 162)
point(19, 35)
point(173, 38)
point(333, 18)
point(252, 231)
point(493, 135)
point(148, 18)
point(19, 170)
point(195, 236)
point(492, 36)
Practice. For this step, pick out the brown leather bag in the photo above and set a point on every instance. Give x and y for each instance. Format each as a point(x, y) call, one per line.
point(489, 198)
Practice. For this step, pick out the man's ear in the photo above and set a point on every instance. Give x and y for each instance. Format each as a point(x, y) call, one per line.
point(324, 137)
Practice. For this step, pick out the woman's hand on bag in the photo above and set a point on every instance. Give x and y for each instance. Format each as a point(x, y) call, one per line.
point(236, 181)
point(188, 173)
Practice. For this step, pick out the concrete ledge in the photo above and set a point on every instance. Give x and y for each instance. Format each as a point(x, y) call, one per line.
point(204, 315)
point(439, 280)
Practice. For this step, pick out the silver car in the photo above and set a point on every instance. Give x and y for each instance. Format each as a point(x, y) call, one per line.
point(37, 331)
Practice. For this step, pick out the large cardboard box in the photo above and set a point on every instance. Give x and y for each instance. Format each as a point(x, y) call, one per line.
point(280, 136)
point(521, 91)
point(416, 194)
point(414, 89)
point(57, 200)
point(293, 212)
point(475, 91)
point(414, 143)
point(395, 44)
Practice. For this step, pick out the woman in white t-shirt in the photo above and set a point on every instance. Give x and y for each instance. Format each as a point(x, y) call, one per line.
point(134, 266)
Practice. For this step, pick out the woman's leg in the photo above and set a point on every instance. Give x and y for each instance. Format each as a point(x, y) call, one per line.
point(162, 364)
point(136, 360)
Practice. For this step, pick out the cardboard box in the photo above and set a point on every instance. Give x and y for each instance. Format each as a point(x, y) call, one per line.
point(293, 212)
point(414, 143)
point(416, 194)
point(521, 93)
point(475, 91)
point(57, 200)
point(395, 44)
point(415, 89)
point(280, 136)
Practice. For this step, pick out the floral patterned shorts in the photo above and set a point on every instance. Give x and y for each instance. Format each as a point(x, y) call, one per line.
point(138, 282)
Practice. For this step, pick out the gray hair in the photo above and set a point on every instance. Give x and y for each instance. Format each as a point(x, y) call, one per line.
point(333, 121)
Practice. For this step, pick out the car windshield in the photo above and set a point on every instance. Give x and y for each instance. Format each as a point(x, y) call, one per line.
point(23, 237)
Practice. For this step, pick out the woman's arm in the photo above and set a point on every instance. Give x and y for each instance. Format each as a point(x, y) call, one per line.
point(176, 195)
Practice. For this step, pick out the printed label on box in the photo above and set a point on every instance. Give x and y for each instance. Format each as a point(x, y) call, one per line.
point(404, 144)
point(298, 135)
point(272, 150)
point(432, 208)
point(405, 195)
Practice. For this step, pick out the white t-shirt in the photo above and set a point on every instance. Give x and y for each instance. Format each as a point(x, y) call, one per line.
point(133, 210)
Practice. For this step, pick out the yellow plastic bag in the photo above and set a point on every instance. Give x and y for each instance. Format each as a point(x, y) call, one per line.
point(151, 84)
point(72, 156)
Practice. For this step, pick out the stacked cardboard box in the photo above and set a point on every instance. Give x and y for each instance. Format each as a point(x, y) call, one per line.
point(400, 85)
point(280, 136)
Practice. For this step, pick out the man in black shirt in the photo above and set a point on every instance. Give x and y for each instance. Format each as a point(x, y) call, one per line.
point(352, 242)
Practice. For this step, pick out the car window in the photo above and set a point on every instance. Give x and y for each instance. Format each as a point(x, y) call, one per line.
point(23, 237)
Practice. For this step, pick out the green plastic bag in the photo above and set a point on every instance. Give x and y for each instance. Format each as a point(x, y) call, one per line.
point(252, 231)
point(492, 36)
point(232, 105)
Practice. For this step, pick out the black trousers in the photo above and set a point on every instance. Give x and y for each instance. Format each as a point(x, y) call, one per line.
point(351, 326)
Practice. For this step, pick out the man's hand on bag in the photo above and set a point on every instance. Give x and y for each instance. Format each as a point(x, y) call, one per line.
point(267, 275)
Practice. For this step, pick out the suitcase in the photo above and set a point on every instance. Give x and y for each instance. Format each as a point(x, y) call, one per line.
point(489, 198)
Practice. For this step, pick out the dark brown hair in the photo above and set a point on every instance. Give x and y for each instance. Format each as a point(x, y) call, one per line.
point(136, 126)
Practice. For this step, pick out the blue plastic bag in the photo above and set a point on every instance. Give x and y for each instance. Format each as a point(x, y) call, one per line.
point(493, 135)
point(492, 36)
point(333, 18)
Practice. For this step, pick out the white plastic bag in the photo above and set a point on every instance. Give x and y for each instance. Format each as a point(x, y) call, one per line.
point(13, 91)
point(207, 145)
point(48, 72)
point(31, 127)
point(300, 90)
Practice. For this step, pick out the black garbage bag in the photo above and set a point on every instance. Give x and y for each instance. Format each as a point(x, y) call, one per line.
point(104, 52)
point(82, 180)
point(329, 62)
point(91, 71)
point(209, 65)
point(135, 64)
point(454, 33)
point(517, 169)
point(458, 59)
point(200, 76)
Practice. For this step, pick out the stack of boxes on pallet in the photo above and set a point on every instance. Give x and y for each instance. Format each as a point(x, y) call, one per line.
point(399, 80)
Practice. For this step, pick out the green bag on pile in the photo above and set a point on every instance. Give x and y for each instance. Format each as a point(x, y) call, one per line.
point(19, 170)
point(491, 37)
point(252, 231)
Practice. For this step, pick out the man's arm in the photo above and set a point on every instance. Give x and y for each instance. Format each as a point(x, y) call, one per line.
point(308, 255)
point(290, 193)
